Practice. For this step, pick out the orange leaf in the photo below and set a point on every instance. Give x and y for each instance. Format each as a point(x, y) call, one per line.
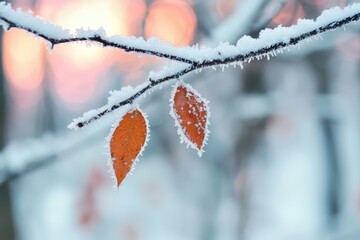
point(191, 114)
point(127, 142)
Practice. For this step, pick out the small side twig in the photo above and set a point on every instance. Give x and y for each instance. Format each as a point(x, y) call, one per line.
point(221, 61)
point(269, 43)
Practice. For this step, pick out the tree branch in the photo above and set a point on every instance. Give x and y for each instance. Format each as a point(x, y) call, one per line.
point(34, 155)
point(323, 24)
point(37, 26)
point(34, 159)
point(269, 43)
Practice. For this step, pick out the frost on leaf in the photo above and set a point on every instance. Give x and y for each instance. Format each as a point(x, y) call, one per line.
point(127, 142)
point(191, 115)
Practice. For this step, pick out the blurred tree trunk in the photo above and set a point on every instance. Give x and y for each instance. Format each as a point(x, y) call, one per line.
point(6, 220)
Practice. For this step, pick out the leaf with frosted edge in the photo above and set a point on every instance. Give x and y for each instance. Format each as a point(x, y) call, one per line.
point(191, 114)
point(126, 142)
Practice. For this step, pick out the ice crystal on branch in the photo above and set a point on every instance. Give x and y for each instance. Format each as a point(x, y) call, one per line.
point(269, 43)
point(191, 114)
point(190, 111)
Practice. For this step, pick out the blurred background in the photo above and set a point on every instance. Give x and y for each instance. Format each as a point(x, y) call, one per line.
point(283, 157)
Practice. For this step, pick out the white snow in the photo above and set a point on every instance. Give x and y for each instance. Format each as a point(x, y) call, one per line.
point(109, 137)
point(196, 53)
point(33, 152)
point(168, 69)
point(181, 132)
point(4, 25)
point(27, 20)
point(115, 97)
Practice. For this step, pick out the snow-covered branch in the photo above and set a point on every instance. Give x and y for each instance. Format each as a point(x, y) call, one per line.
point(269, 44)
point(188, 59)
point(33, 154)
point(34, 157)
point(54, 35)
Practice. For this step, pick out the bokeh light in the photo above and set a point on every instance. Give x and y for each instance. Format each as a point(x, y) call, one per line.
point(77, 67)
point(23, 59)
point(289, 14)
point(23, 62)
point(172, 21)
point(224, 8)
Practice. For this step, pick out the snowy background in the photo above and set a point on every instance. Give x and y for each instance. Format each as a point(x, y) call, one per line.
point(283, 157)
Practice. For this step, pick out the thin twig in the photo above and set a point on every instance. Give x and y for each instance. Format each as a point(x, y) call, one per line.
point(33, 161)
point(222, 61)
point(193, 57)
point(95, 38)
point(45, 160)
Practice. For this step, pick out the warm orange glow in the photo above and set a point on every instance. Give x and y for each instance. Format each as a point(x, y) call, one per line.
point(133, 16)
point(23, 60)
point(24, 99)
point(88, 14)
point(132, 65)
point(173, 21)
point(77, 67)
point(289, 14)
point(225, 7)
point(74, 85)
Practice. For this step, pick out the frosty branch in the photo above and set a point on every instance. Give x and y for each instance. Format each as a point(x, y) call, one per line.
point(55, 35)
point(34, 158)
point(130, 134)
point(267, 50)
point(269, 43)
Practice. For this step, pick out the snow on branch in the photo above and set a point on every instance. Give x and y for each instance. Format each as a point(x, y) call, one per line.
point(269, 43)
point(54, 35)
point(33, 154)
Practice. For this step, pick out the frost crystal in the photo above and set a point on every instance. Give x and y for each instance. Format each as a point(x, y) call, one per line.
point(178, 121)
point(196, 53)
point(110, 160)
point(116, 96)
